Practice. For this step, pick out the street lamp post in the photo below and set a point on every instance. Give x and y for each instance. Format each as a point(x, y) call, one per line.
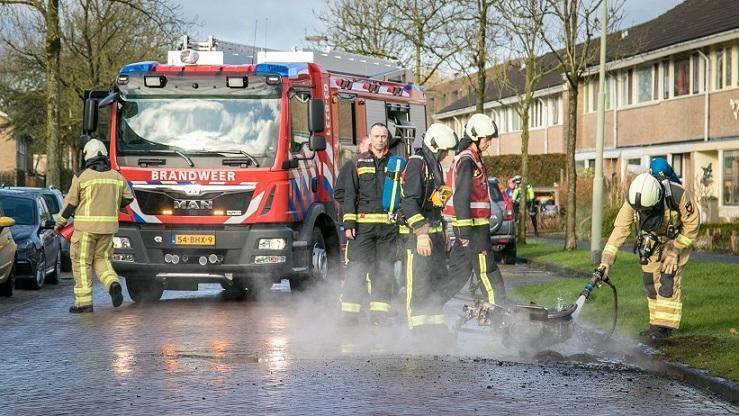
point(596, 230)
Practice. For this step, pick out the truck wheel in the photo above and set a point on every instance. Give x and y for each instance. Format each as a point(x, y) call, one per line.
point(509, 254)
point(6, 289)
point(142, 290)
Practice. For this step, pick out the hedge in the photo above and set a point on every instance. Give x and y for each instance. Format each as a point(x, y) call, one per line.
point(544, 170)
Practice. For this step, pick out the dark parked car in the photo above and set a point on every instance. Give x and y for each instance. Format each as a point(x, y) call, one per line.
point(55, 202)
point(502, 224)
point(39, 248)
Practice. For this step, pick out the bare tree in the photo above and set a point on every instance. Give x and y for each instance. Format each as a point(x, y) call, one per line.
point(476, 36)
point(412, 31)
point(98, 37)
point(524, 22)
point(571, 40)
point(49, 11)
point(360, 27)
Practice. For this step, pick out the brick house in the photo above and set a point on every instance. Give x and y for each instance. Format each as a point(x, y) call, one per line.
point(672, 90)
point(15, 157)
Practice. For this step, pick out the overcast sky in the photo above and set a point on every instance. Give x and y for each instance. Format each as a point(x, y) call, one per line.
point(288, 21)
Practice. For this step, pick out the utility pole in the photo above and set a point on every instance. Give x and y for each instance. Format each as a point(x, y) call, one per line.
point(596, 230)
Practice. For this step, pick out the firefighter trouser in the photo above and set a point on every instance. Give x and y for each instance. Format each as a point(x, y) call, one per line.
point(423, 278)
point(463, 261)
point(91, 252)
point(373, 251)
point(663, 292)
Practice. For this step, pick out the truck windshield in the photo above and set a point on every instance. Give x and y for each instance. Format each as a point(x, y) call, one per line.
point(196, 125)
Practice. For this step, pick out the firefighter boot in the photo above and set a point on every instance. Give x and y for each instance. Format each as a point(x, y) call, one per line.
point(116, 294)
point(80, 309)
point(656, 332)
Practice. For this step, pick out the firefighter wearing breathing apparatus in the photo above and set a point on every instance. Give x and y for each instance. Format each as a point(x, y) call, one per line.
point(96, 195)
point(370, 207)
point(470, 209)
point(667, 222)
point(424, 197)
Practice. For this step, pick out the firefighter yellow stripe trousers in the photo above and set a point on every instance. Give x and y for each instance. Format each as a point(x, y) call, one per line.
point(463, 261)
point(372, 252)
point(423, 277)
point(663, 292)
point(90, 252)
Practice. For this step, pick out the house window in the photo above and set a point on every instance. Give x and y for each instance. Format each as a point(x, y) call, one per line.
point(682, 77)
point(666, 80)
point(731, 177)
point(645, 84)
point(696, 72)
point(537, 114)
point(719, 69)
point(655, 82)
point(555, 110)
point(633, 166)
point(677, 164)
point(516, 120)
point(728, 66)
point(594, 94)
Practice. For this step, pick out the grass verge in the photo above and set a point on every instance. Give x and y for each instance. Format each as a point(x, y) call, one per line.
point(710, 293)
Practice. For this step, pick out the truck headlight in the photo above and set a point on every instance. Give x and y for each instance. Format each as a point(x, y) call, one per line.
point(272, 243)
point(121, 242)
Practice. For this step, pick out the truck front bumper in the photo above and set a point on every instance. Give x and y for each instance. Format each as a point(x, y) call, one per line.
point(235, 253)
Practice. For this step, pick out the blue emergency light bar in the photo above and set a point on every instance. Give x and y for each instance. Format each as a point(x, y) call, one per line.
point(290, 70)
point(146, 66)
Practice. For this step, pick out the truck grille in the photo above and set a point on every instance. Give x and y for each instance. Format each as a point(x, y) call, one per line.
point(156, 202)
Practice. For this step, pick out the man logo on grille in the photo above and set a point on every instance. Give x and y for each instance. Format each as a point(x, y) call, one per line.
point(193, 204)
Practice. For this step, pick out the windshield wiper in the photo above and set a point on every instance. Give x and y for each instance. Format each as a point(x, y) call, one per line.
point(161, 152)
point(250, 158)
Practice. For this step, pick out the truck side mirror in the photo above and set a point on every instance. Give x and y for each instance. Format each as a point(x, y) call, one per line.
point(90, 116)
point(316, 120)
point(317, 143)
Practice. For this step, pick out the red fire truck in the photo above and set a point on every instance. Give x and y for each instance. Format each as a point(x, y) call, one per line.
point(233, 164)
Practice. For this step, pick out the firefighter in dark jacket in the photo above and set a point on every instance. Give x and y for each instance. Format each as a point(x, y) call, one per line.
point(470, 209)
point(96, 195)
point(370, 232)
point(345, 171)
point(424, 197)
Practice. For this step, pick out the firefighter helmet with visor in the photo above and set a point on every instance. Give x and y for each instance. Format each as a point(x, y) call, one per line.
point(645, 192)
point(480, 126)
point(440, 137)
point(94, 148)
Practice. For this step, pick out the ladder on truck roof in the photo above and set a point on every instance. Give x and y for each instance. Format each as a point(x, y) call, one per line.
point(344, 63)
point(214, 51)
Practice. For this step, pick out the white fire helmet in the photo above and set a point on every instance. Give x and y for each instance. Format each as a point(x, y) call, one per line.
point(94, 148)
point(440, 137)
point(480, 126)
point(645, 192)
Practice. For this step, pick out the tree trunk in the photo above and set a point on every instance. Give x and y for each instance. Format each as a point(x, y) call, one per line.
point(481, 57)
point(570, 237)
point(523, 213)
point(53, 49)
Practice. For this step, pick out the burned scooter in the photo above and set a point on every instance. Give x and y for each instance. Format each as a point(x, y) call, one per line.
point(535, 327)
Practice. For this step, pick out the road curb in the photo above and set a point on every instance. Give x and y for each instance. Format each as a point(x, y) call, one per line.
point(726, 389)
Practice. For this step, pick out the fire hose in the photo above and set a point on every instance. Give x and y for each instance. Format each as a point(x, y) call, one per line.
point(535, 326)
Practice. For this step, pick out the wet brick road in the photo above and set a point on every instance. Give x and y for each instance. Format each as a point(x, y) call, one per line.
point(203, 353)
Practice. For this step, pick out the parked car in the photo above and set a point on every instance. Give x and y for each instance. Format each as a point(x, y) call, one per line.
point(55, 202)
point(502, 224)
point(7, 255)
point(38, 258)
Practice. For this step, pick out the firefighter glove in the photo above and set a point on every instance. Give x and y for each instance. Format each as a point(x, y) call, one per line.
point(669, 261)
point(604, 269)
point(423, 244)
